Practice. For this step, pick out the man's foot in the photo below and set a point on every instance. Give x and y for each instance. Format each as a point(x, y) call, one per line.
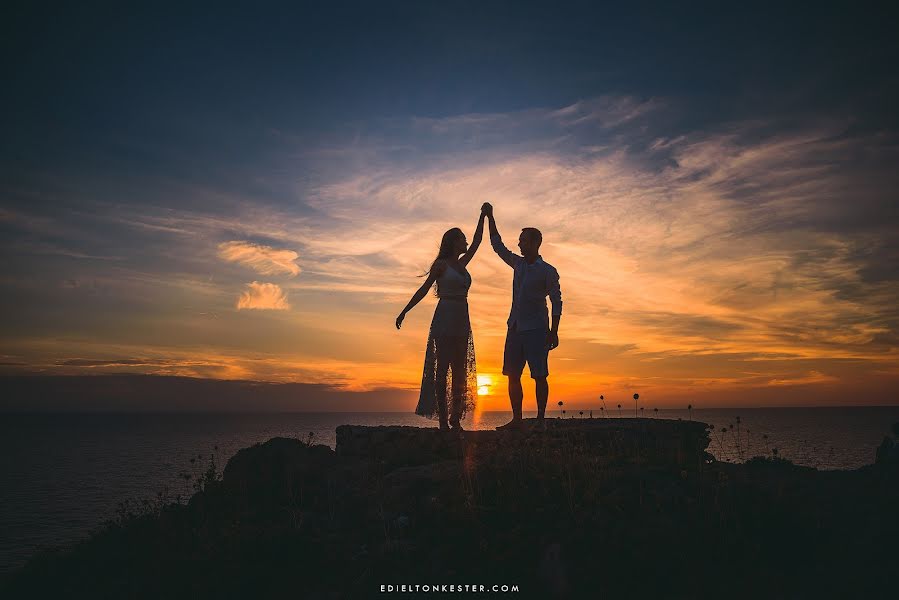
point(444, 426)
point(515, 423)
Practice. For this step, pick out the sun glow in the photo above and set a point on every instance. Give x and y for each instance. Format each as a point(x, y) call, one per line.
point(485, 382)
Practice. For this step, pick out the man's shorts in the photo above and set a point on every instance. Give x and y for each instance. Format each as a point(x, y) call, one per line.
point(526, 346)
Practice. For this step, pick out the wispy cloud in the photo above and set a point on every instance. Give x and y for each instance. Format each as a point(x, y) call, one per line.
point(111, 362)
point(263, 296)
point(263, 259)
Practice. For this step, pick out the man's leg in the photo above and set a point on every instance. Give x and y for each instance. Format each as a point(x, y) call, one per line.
point(538, 362)
point(513, 364)
point(516, 396)
point(542, 395)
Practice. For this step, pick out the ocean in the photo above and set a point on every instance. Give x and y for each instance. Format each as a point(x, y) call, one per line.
point(63, 474)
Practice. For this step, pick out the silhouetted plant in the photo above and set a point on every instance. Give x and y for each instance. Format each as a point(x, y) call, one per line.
point(768, 460)
point(619, 411)
point(186, 477)
point(656, 411)
point(130, 509)
point(636, 397)
point(560, 408)
point(209, 476)
point(690, 409)
point(722, 450)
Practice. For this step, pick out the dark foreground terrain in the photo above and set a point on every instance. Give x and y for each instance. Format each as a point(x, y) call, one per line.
point(598, 508)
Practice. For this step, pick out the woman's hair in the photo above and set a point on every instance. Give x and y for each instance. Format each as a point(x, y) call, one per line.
point(446, 249)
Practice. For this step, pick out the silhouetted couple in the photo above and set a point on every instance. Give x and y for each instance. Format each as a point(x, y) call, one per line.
point(449, 368)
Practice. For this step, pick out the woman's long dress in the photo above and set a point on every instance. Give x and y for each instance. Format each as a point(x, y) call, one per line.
point(450, 331)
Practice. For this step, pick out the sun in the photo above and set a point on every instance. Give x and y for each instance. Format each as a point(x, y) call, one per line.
point(485, 382)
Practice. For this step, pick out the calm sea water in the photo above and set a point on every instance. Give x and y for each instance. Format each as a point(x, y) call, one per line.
point(62, 475)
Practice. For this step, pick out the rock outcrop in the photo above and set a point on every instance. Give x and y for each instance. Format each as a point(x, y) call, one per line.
point(591, 507)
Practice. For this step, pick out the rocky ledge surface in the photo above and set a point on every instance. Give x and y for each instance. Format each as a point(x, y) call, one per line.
point(612, 508)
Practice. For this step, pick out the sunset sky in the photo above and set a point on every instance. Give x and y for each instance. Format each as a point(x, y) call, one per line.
point(253, 194)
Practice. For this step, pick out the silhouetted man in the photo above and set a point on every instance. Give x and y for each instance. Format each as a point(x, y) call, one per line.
point(529, 337)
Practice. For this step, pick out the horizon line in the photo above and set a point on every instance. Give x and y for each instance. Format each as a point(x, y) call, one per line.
point(402, 412)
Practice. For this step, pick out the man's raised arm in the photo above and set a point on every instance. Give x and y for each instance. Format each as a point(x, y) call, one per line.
point(509, 257)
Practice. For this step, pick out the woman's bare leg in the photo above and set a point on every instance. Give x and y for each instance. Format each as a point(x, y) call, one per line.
point(444, 356)
point(460, 378)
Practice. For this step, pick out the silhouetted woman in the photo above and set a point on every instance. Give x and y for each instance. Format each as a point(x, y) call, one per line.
point(450, 347)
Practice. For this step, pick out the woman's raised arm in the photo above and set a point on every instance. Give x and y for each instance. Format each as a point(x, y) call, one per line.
point(475, 241)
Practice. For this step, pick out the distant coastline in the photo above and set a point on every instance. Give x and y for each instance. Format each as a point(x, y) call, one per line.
point(132, 392)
